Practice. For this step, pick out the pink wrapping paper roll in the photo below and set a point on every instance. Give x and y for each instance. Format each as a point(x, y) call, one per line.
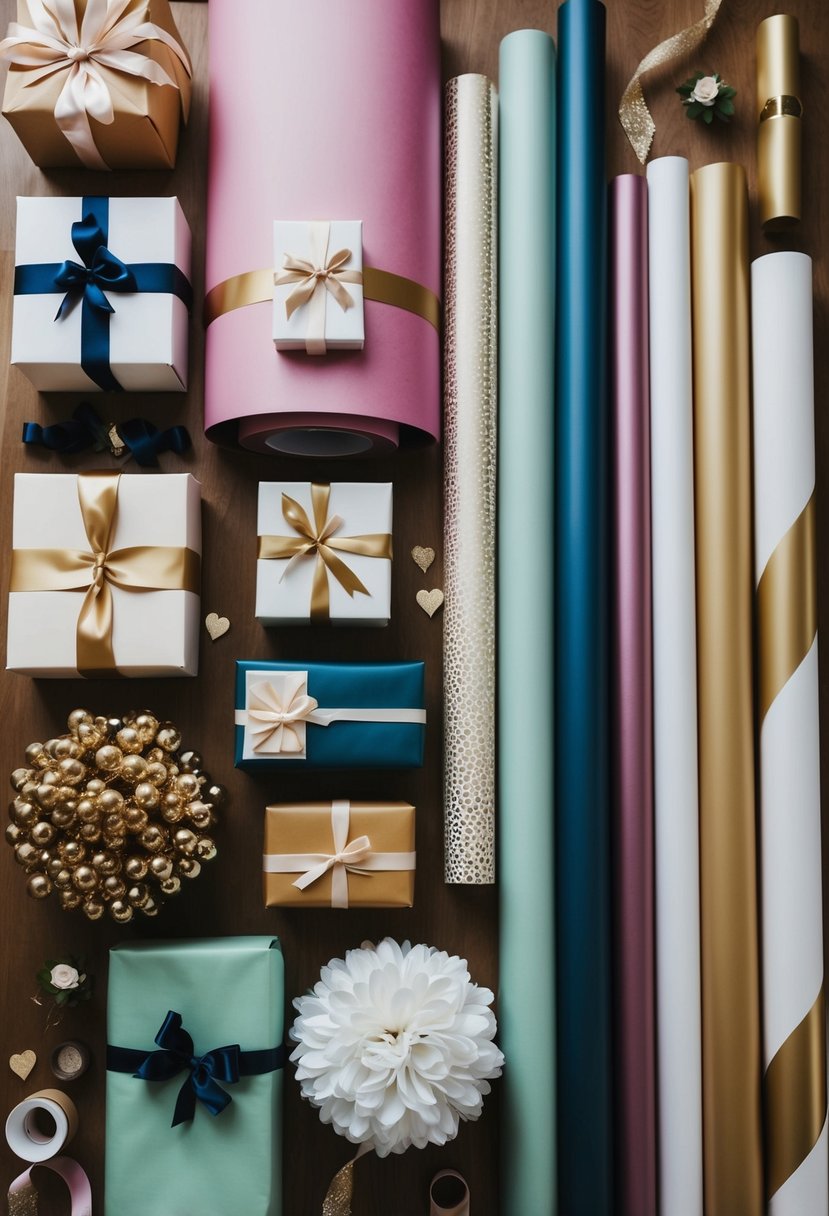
point(632, 728)
point(324, 111)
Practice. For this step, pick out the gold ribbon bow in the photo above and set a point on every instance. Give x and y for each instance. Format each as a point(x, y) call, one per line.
point(314, 280)
point(138, 568)
point(634, 114)
point(319, 538)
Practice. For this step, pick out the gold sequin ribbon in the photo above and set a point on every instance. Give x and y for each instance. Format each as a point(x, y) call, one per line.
point(337, 1200)
point(634, 114)
point(318, 537)
point(138, 568)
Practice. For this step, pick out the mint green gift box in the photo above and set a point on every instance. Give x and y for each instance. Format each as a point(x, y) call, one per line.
point(227, 991)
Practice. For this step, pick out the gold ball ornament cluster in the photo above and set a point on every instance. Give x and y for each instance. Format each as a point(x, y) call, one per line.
point(112, 816)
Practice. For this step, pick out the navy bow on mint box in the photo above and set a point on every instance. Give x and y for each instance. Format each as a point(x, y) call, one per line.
point(96, 283)
point(204, 1073)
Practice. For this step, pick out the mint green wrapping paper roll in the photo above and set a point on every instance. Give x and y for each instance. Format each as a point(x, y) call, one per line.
point(227, 990)
point(526, 1002)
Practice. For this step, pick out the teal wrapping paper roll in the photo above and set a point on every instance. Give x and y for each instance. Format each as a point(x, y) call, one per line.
point(526, 1010)
point(582, 621)
point(227, 990)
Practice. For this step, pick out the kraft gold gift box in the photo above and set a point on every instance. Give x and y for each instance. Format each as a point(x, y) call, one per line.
point(304, 831)
point(145, 131)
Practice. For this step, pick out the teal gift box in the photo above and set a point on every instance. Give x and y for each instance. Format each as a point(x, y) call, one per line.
point(329, 715)
point(198, 1129)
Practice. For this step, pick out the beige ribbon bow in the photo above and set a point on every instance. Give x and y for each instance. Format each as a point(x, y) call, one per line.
point(277, 712)
point(55, 42)
point(138, 568)
point(634, 114)
point(318, 537)
point(344, 860)
point(315, 279)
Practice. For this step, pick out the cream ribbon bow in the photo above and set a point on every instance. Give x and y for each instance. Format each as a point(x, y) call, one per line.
point(344, 860)
point(277, 712)
point(314, 279)
point(56, 43)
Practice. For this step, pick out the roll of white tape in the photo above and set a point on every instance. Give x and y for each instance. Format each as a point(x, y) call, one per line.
point(41, 1125)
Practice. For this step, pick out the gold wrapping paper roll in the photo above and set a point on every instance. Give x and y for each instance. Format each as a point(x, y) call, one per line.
point(728, 893)
point(298, 828)
point(779, 121)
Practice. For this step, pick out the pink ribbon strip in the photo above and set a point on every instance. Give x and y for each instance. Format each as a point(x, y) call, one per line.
point(23, 1193)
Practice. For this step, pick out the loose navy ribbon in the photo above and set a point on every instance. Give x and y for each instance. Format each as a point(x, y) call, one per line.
point(177, 1055)
point(85, 430)
point(100, 272)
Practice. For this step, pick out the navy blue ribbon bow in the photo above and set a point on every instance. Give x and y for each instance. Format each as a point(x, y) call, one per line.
point(144, 441)
point(102, 271)
point(204, 1072)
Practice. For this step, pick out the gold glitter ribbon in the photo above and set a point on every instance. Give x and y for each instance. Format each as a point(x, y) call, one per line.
point(319, 538)
point(787, 607)
point(315, 279)
point(381, 286)
point(138, 568)
point(794, 1089)
point(634, 114)
point(337, 1200)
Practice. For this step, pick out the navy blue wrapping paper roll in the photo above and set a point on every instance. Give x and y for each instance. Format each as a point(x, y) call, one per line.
point(585, 1147)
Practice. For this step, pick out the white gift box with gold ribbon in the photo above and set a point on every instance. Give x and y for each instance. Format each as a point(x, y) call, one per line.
point(105, 575)
point(318, 285)
point(324, 553)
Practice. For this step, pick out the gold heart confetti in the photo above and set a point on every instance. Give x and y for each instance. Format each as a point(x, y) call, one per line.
point(216, 625)
point(423, 557)
point(430, 601)
point(23, 1063)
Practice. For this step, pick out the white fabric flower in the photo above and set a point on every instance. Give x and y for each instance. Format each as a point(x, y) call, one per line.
point(395, 1046)
point(64, 976)
point(706, 90)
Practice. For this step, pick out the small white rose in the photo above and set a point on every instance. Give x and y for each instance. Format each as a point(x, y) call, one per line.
point(706, 90)
point(64, 976)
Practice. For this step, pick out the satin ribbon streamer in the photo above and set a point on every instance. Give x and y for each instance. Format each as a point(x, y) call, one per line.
point(100, 273)
point(319, 538)
point(349, 857)
point(278, 710)
point(337, 1201)
point(138, 568)
point(176, 1055)
point(56, 43)
point(315, 279)
point(23, 1198)
point(84, 430)
point(634, 114)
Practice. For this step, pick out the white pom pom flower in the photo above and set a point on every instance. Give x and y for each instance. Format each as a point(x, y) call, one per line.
point(395, 1046)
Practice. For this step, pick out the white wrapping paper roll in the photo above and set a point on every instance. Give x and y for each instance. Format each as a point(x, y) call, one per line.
point(675, 701)
point(797, 1168)
point(41, 1125)
point(470, 398)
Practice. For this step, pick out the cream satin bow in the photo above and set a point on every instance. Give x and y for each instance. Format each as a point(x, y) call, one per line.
point(314, 278)
point(56, 43)
point(277, 712)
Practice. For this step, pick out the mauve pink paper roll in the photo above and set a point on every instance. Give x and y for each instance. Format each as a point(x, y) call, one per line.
point(324, 111)
point(632, 726)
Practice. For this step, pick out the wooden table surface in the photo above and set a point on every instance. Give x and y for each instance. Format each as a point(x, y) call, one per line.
point(226, 899)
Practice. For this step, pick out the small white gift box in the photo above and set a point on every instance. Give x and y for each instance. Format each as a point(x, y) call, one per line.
point(324, 553)
point(105, 575)
point(318, 285)
point(78, 258)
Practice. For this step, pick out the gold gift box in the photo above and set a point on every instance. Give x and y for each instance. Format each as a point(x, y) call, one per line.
point(145, 132)
point(305, 828)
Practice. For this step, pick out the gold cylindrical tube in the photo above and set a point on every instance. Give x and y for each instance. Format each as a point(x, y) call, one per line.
point(728, 891)
point(779, 112)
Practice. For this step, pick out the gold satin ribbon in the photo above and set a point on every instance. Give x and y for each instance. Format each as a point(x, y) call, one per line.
point(634, 114)
point(787, 607)
point(784, 106)
point(381, 286)
point(794, 1091)
point(138, 568)
point(319, 538)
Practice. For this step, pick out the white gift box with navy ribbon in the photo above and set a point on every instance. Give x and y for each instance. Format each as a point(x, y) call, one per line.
point(102, 294)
